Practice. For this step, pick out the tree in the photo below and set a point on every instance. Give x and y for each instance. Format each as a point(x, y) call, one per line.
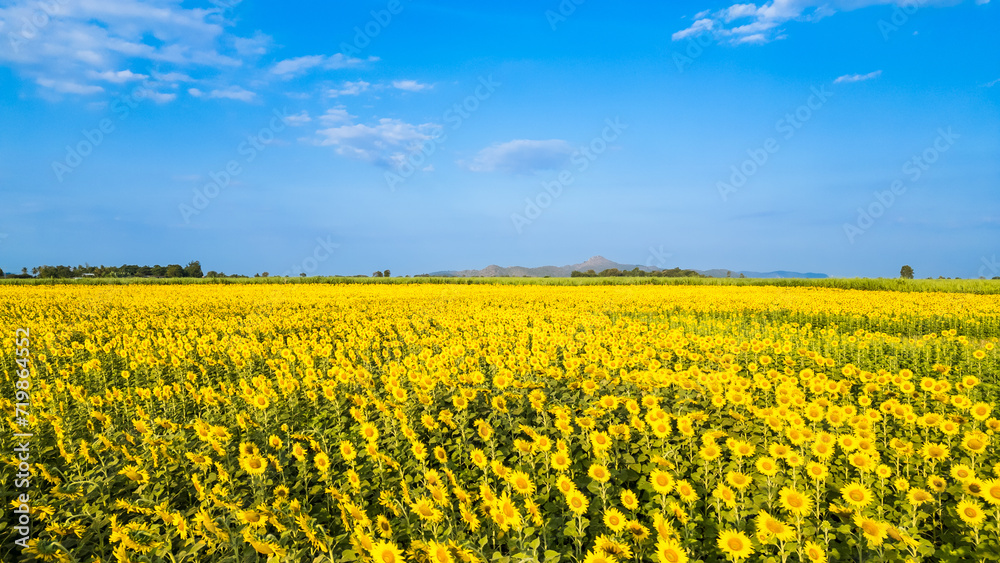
point(264, 274)
point(174, 271)
point(906, 272)
point(212, 274)
point(302, 274)
point(193, 270)
point(385, 274)
point(376, 274)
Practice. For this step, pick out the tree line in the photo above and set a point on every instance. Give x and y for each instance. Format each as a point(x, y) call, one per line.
point(192, 270)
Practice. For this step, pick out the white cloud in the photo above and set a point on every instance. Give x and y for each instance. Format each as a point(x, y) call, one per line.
point(290, 68)
point(857, 77)
point(522, 156)
point(160, 97)
point(699, 26)
point(385, 143)
point(993, 83)
point(410, 85)
point(119, 77)
point(233, 93)
point(768, 17)
point(336, 115)
point(81, 39)
point(172, 77)
point(68, 86)
point(349, 89)
point(195, 92)
point(298, 119)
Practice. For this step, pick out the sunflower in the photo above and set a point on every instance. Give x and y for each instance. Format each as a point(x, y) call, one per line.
point(598, 556)
point(917, 496)
point(971, 512)
point(347, 451)
point(794, 502)
point(991, 491)
point(973, 487)
point(638, 532)
point(735, 544)
point(816, 471)
point(767, 466)
point(961, 473)
point(322, 462)
point(856, 495)
point(739, 480)
point(577, 502)
point(874, 531)
point(937, 483)
point(662, 482)
point(298, 451)
point(771, 527)
point(478, 458)
point(386, 552)
point(565, 484)
point(629, 500)
point(438, 553)
point(425, 509)
point(614, 520)
point(253, 464)
point(669, 551)
point(521, 483)
point(599, 473)
point(560, 461)
point(815, 553)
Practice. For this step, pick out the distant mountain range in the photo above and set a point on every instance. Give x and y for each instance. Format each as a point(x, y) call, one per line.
point(599, 263)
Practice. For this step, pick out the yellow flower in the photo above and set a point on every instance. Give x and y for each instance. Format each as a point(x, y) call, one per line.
point(386, 552)
point(794, 502)
point(815, 553)
point(661, 481)
point(614, 520)
point(599, 473)
point(971, 512)
point(629, 500)
point(322, 462)
point(576, 501)
point(735, 544)
point(669, 551)
point(874, 531)
point(856, 495)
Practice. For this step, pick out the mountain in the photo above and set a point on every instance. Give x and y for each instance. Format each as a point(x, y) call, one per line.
point(599, 263)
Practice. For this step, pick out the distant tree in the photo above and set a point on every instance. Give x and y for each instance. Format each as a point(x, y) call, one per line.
point(996, 277)
point(742, 276)
point(212, 274)
point(174, 271)
point(385, 274)
point(376, 274)
point(302, 274)
point(906, 273)
point(1, 272)
point(193, 270)
point(729, 274)
point(34, 271)
point(265, 274)
point(24, 271)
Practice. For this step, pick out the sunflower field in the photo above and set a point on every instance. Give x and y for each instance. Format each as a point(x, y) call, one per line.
point(434, 423)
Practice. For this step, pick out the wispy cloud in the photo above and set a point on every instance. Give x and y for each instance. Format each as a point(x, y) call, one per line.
point(349, 89)
point(410, 85)
point(231, 93)
point(290, 68)
point(857, 77)
point(750, 23)
point(522, 156)
point(385, 143)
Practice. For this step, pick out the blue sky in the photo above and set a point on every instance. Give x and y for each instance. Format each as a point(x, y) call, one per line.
point(847, 137)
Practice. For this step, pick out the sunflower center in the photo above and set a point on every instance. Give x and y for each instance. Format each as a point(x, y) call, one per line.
point(857, 496)
point(735, 544)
